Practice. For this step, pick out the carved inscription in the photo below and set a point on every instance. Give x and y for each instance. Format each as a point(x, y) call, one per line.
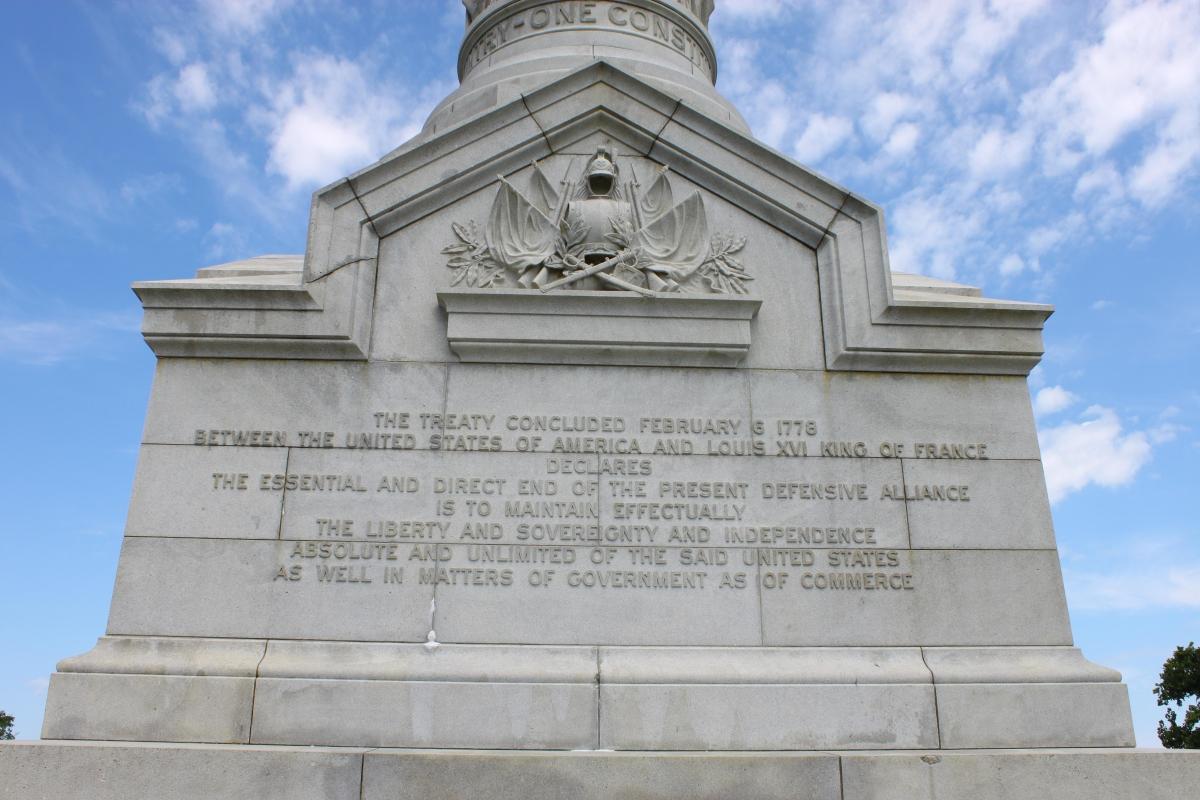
point(593, 502)
point(588, 15)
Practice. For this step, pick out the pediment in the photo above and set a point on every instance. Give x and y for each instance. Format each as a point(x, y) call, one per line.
point(868, 323)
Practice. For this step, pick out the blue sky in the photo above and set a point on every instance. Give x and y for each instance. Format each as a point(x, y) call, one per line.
point(1044, 150)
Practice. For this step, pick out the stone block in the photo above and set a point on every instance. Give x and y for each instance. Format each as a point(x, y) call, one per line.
point(206, 492)
point(148, 708)
point(874, 408)
point(371, 512)
point(600, 776)
point(760, 666)
point(976, 597)
point(304, 395)
point(1034, 715)
point(552, 716)
point(766, 515)
point(412, 327)
point(233, 588)
point(153, 655)
point(600, 598)
point(116, 771)
point(777, 717)
point(517, 326)
point(1008, 506)
point(632, 392)
point(109, 771)
point(1022, 775)
point(1014, 665)
point(380, 661)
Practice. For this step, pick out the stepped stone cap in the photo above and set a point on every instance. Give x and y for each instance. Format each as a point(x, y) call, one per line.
point(512, 47)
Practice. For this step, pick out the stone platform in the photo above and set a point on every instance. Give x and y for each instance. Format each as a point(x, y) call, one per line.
point(50, 770)
point(508, 697)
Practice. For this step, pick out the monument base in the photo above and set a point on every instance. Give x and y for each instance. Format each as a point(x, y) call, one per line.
point(53, 770)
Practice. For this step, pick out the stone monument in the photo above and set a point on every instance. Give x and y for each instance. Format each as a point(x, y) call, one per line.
point(591, 449)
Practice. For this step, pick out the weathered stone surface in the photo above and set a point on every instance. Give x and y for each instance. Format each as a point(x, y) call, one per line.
point(367, 661)
point(1008, 506)
point(1034, 715)
point(576, 609)
point(909, 409)
point(148, 708)
point(114, 771)
point(600, 776)
point(231, 588)
point(304, 397)
point(1022, 775)
point(630, 392)
point(981, 597)
point(152, 655)
point(177, 492)
point(425, 714)
point(104, 771)
point(585, 328)
point(953, 665)
point(732, 717)
point(762, 666)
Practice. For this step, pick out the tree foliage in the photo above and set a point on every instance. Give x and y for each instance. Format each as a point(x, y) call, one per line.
point(1179, 682)
point(6, 725)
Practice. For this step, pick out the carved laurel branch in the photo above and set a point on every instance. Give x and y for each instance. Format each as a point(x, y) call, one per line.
point(470, 259)
point(722, 270)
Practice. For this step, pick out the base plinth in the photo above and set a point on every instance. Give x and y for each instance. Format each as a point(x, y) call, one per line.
point(50, 770)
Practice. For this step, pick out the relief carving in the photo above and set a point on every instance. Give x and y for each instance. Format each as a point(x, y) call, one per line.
point(599, 232)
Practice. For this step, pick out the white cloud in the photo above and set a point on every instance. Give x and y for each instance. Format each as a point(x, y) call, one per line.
point(1012, 264)
point(48, 187)
point(1159, 175)
point(272, 121)
point(1091, 450)
point(224, 241)
point(171, 45)
point(1145, 66)
point(47, 342)
point(769, 114)
point(754, 9)
point(328, 119)
point(1160, 585)
point(822, 135)
point(998, 153)
point(902, 140)
point(1103, 179)
point(1078, 118)
point(1052, 399)
point(194, 90)
point(1102, 305)
point(241, 16)
point(138, 188)
point(933, 232)
point(885, 110)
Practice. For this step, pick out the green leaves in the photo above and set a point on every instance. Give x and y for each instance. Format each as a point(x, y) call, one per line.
point(6, 726)
point(1179, 682)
